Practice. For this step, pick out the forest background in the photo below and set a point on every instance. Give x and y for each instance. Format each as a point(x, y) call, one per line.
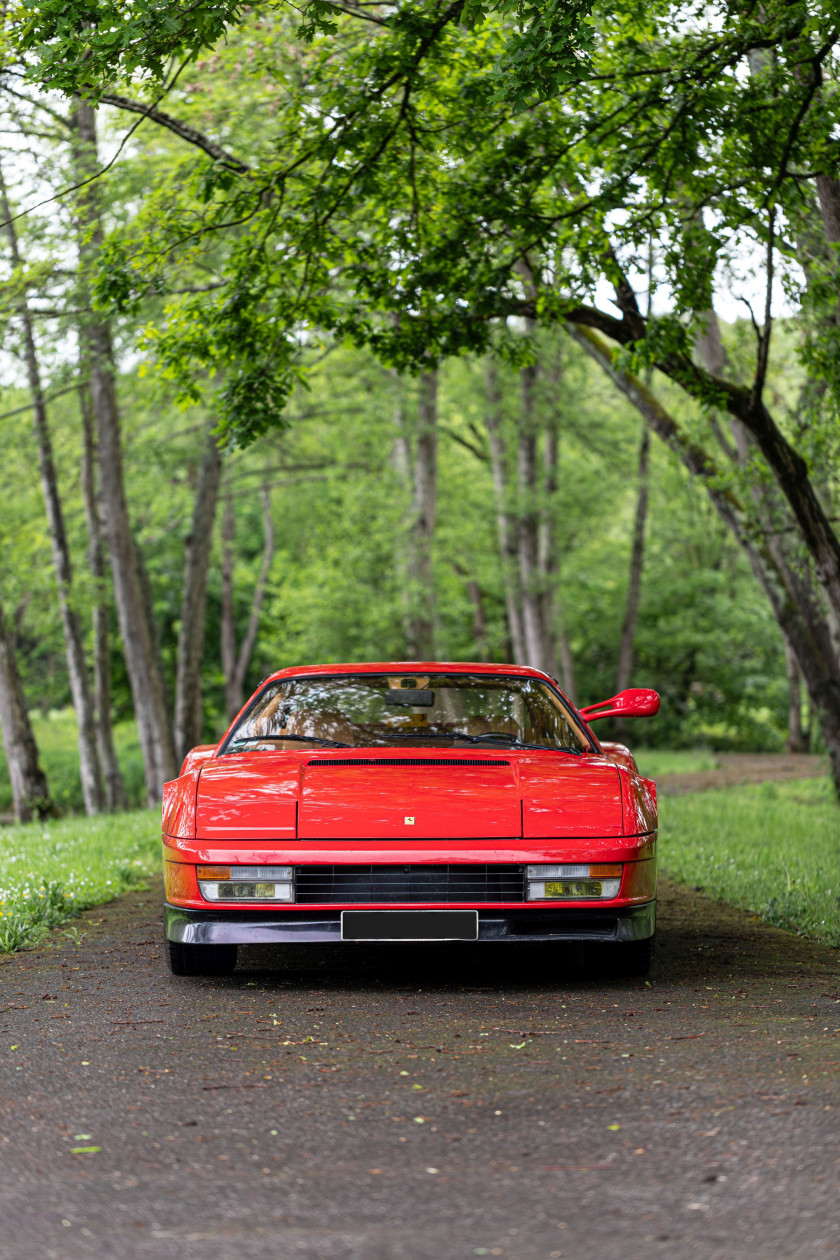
point(501, 332)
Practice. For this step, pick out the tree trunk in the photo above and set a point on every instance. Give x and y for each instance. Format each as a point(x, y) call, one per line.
point(533, 530)
point(797, 739)
point(828, 195)
point(529, 521)
point(30, 794)
point(479, 620)
point(634, 586)
point(115, 793)
point(479, 616)
point(77, 670)
point(198, 546)
point(422, 520)
point(795, 603)
point(228, 626)
point(235, 665)
point(134, 612)
point(547, 540)
point(567, 663)
point(505, 524)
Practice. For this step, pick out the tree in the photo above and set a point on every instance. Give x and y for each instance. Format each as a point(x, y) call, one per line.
point(30, 793)
point(77, 668)
point(237, 662)
point(415, 206)
point(136, 623)
point(189, 713)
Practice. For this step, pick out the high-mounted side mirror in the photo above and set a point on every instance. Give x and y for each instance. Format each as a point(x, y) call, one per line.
point(634, 702)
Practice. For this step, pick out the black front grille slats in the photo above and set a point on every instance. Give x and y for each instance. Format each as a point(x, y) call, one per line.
point(404, 761)
point(363, 885)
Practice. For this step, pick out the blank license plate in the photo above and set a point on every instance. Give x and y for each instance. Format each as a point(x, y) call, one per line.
point(409, 925)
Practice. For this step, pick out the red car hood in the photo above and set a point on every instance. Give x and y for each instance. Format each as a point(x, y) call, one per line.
point(379, 796)
point(250, 796)
point(414, 798)
point(569, 796)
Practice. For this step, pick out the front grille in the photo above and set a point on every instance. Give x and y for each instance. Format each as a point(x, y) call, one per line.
point(405, 761)
point(330, 885)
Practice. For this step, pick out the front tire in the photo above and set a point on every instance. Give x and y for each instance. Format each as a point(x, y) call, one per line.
point(200, 960)
point(624, 959)
point(635, 957)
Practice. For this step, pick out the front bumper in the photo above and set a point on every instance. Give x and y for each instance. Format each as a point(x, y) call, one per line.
point(208, 927)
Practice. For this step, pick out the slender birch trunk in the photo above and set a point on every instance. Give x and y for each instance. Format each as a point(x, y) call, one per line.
point(30, 793)
point(529, 519)
point(637, 555)
point(567, 662)
point(505, 522)
point(797, 737)
point(228, 624)
point(422, 520)
point(77, 670)
point(474, 591)
point(198, 547)
point(115, 793)
point(547, 539)
point(235, 665)
point(134, 612)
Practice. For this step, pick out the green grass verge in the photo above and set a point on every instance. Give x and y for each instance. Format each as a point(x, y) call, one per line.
point(654, 762)
point(49, 872)
point(56, 737)
point(770, 848)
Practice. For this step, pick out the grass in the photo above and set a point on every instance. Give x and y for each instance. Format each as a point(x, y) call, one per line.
point(55, 735)
point(49, 872)
point(653, 762)
point(770, 848)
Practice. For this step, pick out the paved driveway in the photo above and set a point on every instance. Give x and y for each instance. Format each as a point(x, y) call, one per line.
point(423, 1105)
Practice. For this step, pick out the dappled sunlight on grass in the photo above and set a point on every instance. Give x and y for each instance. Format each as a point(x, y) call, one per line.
point(770, 848)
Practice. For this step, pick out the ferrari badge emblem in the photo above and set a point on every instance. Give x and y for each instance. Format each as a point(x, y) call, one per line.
point(409, 820)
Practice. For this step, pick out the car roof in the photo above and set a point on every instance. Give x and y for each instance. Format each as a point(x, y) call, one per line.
point(412, 667)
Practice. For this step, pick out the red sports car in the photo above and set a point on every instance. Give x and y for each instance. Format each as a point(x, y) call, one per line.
point(410, 802)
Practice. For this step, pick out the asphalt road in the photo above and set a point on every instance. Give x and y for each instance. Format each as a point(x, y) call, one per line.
point(424, 1105)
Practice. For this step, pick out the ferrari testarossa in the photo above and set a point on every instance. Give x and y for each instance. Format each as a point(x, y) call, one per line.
point(411, 802)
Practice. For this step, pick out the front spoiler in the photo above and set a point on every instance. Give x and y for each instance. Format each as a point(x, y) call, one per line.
point(207, 927)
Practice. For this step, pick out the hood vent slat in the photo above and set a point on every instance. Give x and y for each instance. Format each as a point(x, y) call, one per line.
point(405, 761)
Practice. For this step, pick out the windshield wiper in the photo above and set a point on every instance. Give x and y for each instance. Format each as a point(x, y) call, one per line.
point(518, 743)
point(486, 738)
point(304, 739)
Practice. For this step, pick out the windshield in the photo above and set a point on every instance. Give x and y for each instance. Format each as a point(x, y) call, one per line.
point(398, 710)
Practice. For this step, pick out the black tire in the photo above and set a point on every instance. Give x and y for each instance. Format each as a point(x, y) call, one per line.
point(628, 958)
point(200, 960)
point(635, 957)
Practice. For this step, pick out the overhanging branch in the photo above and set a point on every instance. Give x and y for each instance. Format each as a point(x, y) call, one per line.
point(181, 129)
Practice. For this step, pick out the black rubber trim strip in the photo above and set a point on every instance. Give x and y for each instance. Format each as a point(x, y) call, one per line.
point(200, 927)
point(404, 761)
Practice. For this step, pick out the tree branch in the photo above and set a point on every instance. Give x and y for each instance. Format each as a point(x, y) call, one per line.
point(180, 129)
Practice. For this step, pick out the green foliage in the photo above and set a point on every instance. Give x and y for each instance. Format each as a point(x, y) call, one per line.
point(80, 48)
point(50, 872)
point(772, 849)
point(337, 588)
